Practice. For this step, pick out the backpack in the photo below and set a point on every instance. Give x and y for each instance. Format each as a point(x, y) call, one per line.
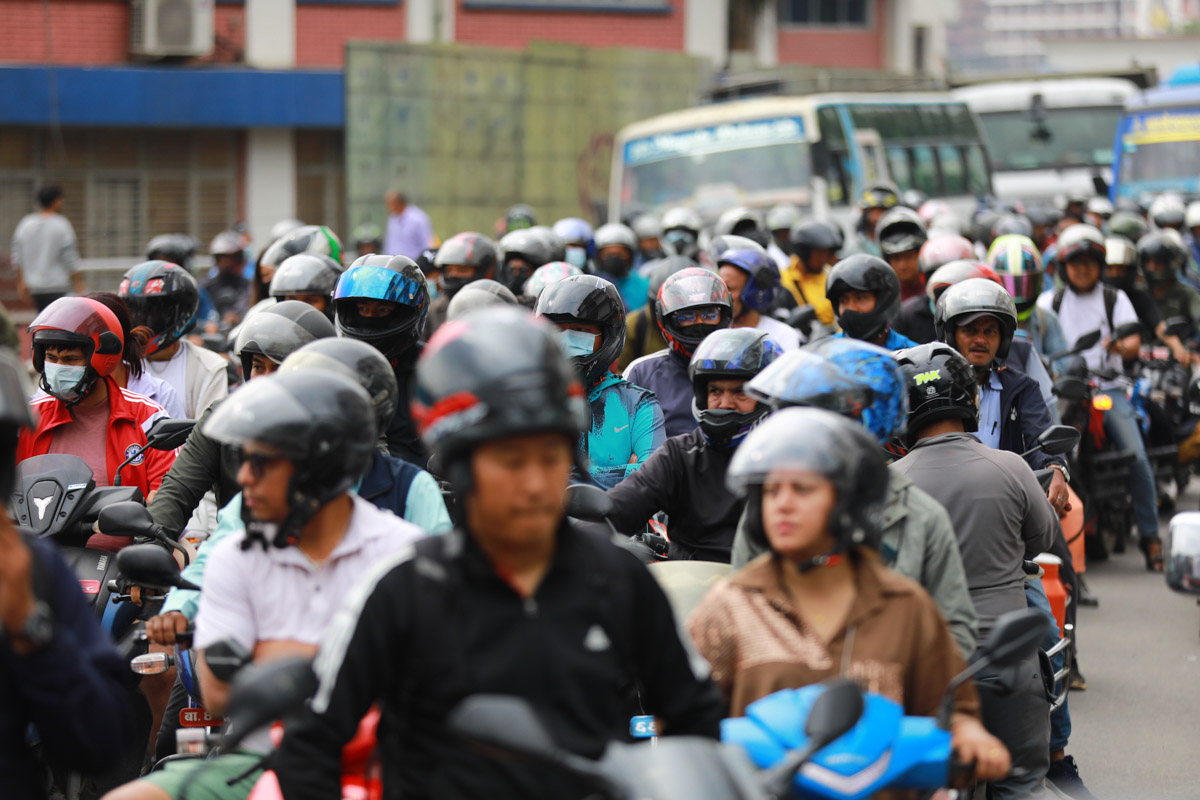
point(1110, 303)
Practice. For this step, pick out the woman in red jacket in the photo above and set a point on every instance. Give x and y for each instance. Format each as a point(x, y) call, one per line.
point(77, 343)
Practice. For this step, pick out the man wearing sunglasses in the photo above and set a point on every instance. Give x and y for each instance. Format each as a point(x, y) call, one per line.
point(692, 304)
point(304, 439)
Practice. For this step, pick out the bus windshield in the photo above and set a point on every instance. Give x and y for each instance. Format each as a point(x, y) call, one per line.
point(1067, 137)
point(1160, 150)
point(711, 168)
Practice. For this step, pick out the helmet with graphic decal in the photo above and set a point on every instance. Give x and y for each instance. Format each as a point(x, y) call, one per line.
point(163, 297)
point(382, 300)
point(941, 385)
point(547, 274)
point(731, 354)
point(691, 304)
point(1017, 262)
point(319, 239)
point(876, 368)
point(76, 322)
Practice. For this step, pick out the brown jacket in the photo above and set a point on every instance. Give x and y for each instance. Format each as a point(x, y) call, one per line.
point(900, 646)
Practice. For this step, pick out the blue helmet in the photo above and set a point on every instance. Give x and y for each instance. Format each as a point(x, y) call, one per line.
point(391, 279)
point(877, 369)
point(763, 286)
point(580, 239)
point(801, 378)
point(729, 354)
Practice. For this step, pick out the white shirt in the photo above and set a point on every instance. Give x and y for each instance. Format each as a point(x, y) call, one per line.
point(160, 392)
point(1084, 313)
point(172, 372)
point(781, 333)
point(255, 595)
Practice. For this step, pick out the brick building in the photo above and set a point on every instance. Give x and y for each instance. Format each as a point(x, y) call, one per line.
point(244, 122)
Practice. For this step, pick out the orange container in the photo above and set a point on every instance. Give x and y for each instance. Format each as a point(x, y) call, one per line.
point(1056, 593)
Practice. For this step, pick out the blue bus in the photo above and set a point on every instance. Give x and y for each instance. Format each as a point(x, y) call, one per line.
point(1157, 147)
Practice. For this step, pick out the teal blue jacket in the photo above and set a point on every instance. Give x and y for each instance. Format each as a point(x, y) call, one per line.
point(626, 427)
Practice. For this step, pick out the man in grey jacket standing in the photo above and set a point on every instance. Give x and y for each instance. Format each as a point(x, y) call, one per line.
point(45, 253)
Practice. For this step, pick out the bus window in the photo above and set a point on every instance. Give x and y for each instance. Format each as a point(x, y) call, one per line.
point(925, 173)
point(977, 171)
point(951, 161)
point(834, 135)
point(898, 165)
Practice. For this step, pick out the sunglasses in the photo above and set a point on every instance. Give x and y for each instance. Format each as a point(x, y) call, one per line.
point(258, 462)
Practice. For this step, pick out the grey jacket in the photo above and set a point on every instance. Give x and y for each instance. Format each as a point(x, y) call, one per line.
point(918, 542)
point(998, 510)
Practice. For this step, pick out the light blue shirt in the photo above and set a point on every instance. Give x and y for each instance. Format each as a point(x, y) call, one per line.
point(989, 412)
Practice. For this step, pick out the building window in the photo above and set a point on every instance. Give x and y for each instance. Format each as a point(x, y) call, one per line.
point(321, 179)
point(842, 13)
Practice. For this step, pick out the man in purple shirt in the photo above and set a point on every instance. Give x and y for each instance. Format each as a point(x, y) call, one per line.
point(409, 230)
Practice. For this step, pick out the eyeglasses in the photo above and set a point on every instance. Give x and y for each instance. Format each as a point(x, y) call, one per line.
point(258, 462)
point(691, 316)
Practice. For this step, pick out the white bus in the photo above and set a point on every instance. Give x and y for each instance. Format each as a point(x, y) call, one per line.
point(816, 151)
point(1049, 137)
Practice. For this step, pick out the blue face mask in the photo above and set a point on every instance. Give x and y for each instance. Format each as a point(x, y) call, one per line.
point(577, 257)
point(64, 382)
point(577, 344)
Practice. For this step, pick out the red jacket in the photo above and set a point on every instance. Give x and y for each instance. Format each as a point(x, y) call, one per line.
point(130, 415)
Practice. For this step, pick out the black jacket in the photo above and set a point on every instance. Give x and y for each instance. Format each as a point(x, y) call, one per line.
point(440, 625)
point(72, 689)
point(686, 479)
point(1023, 416)
point(402, 439)
point(915, 320)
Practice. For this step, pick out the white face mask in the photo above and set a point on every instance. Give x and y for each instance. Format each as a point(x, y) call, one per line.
point(577, 257)
point(64, 382)
point(577, 344)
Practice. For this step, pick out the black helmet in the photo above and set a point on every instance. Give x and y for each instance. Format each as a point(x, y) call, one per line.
point(426, 260)
point(686, 290)
point(318, 239)
point(519, 217)
point(592, 300)
point(278, 331)
point(742, 221)
point(163, 297)
point(177, 248)
point(815, 440)
point(1167, 251)
point(1080, 239)
point(307, 274)
point(392, 279)
point(763, 285)
point(1127, 224)
point(556, 247)
point(972, 298)
point(864, 273)
point(527, 246)
point(941, 385)
point(495, 373)
point(803, 378)
point(358, 361)
point(900, 230)
point(323, 424)
point(733, 353)
point(14, 414)
point(483, 292)
point(814, 234)
point(616, 235)
point(662, 269)
point(470, 249)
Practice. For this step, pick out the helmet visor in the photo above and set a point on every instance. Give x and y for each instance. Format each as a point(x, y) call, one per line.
point(378, 283)
point(262, 411)
point(799, 378)
point(73, 316)
point(1023, 288)
point(274, 336)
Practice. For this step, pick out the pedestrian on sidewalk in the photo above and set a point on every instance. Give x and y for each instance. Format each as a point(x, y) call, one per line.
point(409, 230)
point(45, 252)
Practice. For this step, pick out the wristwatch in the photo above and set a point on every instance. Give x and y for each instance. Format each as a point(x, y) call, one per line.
point(38, 628)
point(1063, 470)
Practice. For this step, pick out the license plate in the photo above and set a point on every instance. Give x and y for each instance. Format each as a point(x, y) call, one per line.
point(198, 718)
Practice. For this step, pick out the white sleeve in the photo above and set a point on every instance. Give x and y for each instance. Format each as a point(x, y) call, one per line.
point(1123, 312)
point(225, 610)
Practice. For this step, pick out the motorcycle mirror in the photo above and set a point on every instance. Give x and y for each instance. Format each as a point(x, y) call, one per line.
point(1100, 185)
point(588, 503)
point(1058, 439)
point(1044, 478)
point(1179, 326)
point(1015, 636)
point(1129, 329)
point(1087, 341)
point(167, 434)
point(225, 659)
point(835, 712)
point(802, 319)
point(261, 694)
point(151, 566)
point(1070, 388)
point(128, 518)
point(1182, 553)
point(505, 722)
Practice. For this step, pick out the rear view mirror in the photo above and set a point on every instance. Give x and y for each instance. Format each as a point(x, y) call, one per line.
point(588, 503)
point(1182, 554)
point(802, 319)
point(1015, 636)
point(1179, 327)
point(1070, 388)
point(1058, 440)
point(1100, 185)
point(1129, 329)
point(151, 566)
point(263, 693)
point(226, 658)
point(126, 518)
point(508, 723)
point(836, 711)
point(1087, 341)
point(167, 434)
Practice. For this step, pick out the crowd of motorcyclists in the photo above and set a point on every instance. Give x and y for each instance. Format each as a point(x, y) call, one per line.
point(378, 474)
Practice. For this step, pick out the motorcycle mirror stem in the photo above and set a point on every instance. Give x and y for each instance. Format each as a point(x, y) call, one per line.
point(140, 449)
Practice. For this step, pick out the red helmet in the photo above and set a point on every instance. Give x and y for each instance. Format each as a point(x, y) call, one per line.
point(79, 322)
